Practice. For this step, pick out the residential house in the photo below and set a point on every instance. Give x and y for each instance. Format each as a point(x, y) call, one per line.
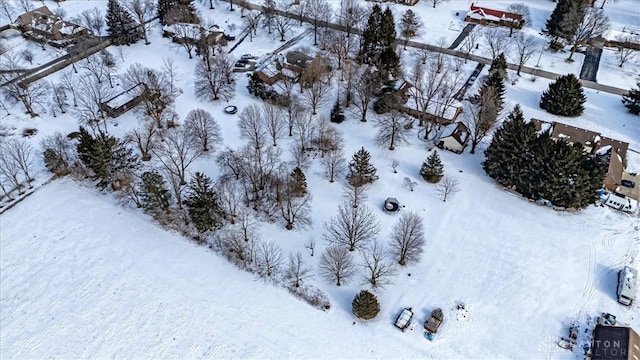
point(125, 101)
point(453, 137)
point(615, 343)
point(487, 16)
point(613, 151)
point(44, 26)
point(289, 66)
point(437, 111)
point(193, 33)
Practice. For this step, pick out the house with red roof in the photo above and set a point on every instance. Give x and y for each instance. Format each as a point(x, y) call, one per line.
point(486, 16)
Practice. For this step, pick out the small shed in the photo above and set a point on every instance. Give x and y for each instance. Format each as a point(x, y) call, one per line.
point(454, 137)
point(125, 101)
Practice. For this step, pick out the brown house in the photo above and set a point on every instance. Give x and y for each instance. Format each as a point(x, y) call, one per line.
point(193, 33)
point(487, 16)
point(42, 25)
point(615, 343)
point(613, 151)
point(453, 137)
point(125, 101)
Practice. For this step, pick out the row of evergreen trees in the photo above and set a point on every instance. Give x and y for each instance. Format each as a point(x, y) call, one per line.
point(378, 42)
point(537, 166)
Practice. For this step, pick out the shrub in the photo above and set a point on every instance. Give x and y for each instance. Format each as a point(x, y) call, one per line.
point(365, 305)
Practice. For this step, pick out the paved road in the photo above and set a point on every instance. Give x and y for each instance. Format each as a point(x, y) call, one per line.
point(465, 32)
point(591, 63)
point(525, 69)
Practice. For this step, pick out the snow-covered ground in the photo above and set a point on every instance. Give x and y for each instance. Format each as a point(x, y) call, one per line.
point(83, 277)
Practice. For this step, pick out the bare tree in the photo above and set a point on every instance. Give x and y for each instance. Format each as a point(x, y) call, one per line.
point(525, 48)
point(378, 268)
point(407, 238)
point(69, 82)
point(336, 264)
point(334, 163)
point(327, 137)
point(470, 42)
point(156, 89)
point(251, 126)
point(297, 272)
point(143, 11)
point(481, 118)
point(188, 35)
point(90, 95)
point(215, 82)
point(594, 23)
point(352, 16)
point(352, 227)
point(294, 208)
point(269, 259)
point(394, 165)
point(178, 150)
point(9, 170)
point(304, 129)
point(447, 187)
point(392, 131)
point(364, 92)
point(7, 11)
point(341, 46)
point(93, 19)
point(497, 41)
point(169, 74)
point(318, 11)
point(144, 139)
point(58, 98)
point(316, 95)
point(252, 20)
point(20, 152)
point(27, 55)
point(626, 53)
point(29, 94)
point(273, 121)
point(282, 23)
point(233, 243)
point(24, 5)
point(229, 197)
point(311, 245)
point(58, 153)
point(521, 9)
point(409, 184)
point(204, 128)
point(94, 65)
point(268, 11)
point(294, 111)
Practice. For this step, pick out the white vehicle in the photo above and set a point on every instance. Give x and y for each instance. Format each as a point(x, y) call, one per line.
point(617, 201)
point(627, 278)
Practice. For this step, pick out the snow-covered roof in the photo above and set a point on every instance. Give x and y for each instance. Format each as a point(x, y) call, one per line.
point(124, 97)
point(493, 15)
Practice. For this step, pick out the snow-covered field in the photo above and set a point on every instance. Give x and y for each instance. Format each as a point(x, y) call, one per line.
point(83, 277)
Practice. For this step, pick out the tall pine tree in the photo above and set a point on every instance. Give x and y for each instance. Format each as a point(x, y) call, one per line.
point(154, 195)
point(499, 64)
point(203, 204)
point(553, 26)
point(564, 97)
point(120, 24)
point(361, 171)
point(370, 46)
point(631, 100)
point(508, 157)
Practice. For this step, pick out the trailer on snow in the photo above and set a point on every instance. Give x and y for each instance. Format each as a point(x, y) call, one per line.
point(404, 319)
point(433, 323)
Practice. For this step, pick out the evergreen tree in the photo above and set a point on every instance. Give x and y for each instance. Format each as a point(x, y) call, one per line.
point(410, 25)
point(182, 10)
point(154, 195)
point(553, 27)
point(564, 97)
point(370, 46)
point(572, 19)
point(389, 63)
point(387, 29)
point(365, 305)
point(108, 157)
point(432, 168)
point(631, 100)
point(202, 203)
point(256, 86)
point(361, 172)
point(120, 24)
point(337, 114)
point(298, 183)
point(508, 158)
point(499, 64)
point(496, 82)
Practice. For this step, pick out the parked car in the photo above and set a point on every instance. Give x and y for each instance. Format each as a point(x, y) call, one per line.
point(246, 57)
point(628, 183)
point(241, 65)
point(229, 37)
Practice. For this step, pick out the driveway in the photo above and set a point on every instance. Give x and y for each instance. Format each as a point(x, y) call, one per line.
point(591, 63)
point(632, 193)
point(467, 29)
